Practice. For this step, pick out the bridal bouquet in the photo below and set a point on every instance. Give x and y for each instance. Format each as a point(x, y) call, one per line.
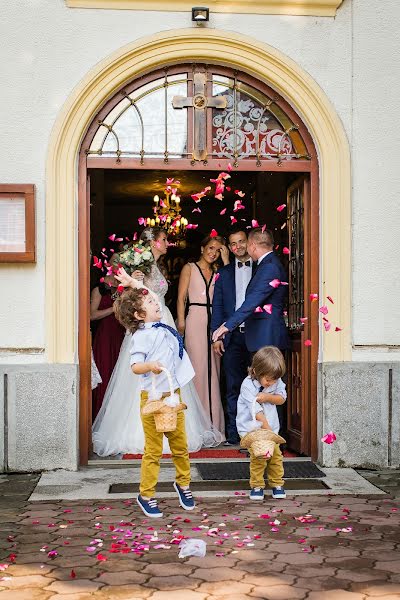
point(136, 257)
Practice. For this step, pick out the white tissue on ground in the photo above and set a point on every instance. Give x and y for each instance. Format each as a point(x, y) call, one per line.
point(192, 547)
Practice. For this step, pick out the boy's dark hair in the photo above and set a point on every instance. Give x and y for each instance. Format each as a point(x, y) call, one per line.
point(268, 362)
point(125, 306)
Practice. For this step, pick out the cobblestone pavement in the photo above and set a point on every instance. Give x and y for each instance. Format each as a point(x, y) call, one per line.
point(314, 548)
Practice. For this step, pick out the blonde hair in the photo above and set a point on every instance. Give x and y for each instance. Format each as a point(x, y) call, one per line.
point(267, 362)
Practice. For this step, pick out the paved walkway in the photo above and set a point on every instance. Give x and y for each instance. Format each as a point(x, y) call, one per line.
point(314, 547)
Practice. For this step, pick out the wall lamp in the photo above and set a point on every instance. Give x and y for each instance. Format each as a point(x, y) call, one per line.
point(200, 14)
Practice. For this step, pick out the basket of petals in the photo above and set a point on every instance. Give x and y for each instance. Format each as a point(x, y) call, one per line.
point(261, 442)
point(164, 407)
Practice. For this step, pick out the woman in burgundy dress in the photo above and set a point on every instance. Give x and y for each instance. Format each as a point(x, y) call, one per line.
point(108, 337)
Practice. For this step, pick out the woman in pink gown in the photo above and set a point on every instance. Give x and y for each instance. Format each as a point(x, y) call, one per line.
point(196, 288)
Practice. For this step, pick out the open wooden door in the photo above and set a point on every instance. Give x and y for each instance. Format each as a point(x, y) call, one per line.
point(303, 280)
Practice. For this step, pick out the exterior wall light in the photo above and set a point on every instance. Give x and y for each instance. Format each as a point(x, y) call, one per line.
point(200, 14)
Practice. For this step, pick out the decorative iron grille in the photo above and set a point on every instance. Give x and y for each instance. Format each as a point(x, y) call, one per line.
point(145, 124)
point(296, 262)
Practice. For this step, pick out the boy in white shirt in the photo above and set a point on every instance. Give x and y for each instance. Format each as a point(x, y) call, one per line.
point(156, 345)
point(260, 394)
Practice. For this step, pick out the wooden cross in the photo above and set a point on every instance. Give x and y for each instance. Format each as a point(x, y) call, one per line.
point(200, 102)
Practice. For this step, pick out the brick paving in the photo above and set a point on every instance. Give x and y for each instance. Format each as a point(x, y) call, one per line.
point(309, 547)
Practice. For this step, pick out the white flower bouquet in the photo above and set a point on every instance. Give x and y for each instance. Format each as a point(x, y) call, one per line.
point(136, 257)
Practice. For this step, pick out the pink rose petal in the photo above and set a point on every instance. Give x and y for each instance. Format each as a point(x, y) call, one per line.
point(329, 438)
point(275, 283)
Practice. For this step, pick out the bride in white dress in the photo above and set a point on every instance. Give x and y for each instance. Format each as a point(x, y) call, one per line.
point(117, 428)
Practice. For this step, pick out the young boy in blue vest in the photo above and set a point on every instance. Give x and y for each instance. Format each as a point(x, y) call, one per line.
point(156, 345)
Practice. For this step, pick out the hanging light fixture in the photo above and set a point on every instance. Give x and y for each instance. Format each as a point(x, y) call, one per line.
point(167, 212)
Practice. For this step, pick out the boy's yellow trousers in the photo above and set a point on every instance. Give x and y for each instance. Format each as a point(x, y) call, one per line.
point(274, 466)
point(153, 446)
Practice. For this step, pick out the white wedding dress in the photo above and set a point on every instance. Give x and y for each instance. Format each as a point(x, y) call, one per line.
point(117, 428)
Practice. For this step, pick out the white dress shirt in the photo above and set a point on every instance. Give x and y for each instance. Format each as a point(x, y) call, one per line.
point(158, 344)
point(248, 407)
point(263, 256)
point(242, 278)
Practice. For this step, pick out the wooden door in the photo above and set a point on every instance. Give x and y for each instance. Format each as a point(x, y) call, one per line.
point(301, 408)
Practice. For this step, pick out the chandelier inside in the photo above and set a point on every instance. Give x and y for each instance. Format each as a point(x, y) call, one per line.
point(167, 212)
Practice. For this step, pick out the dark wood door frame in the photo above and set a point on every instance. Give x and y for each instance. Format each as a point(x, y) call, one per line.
point(312, 246)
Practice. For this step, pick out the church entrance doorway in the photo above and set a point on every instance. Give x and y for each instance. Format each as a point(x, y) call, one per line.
point(188, 123)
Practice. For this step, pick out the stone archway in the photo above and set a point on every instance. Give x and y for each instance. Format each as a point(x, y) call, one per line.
point(257, 59)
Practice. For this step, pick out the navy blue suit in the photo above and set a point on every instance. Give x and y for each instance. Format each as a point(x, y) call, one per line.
point(236, 357)
point(261, 328)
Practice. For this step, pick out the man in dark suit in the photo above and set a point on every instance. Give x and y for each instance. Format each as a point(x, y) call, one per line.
point(229, 294)
point(262, 309)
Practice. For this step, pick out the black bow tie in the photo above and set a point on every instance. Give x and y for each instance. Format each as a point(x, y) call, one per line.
point(247, 263)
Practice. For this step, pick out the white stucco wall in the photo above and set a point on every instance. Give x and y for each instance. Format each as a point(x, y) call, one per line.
point(46, 49)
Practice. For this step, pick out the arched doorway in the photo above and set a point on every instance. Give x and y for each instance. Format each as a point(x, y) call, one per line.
point(266, 64)
point(194, 119)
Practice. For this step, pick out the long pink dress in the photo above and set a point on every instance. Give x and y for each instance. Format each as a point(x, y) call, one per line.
point(198, 345)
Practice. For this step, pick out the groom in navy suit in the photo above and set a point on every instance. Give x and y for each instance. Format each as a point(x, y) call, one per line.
point(229, 294)
point(261, 314)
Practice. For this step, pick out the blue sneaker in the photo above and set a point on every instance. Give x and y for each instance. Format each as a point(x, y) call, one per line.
point(185, 497)
point(256, 494)
point(149, 507)
point(278, 492)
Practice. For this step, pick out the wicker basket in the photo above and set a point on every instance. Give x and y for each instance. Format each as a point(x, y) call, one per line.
point(261, 442)
point(165, 415)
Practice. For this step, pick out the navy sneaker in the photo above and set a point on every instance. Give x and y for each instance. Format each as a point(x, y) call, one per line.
point(149, 507)
point(185, 497)
point(256, 494)
point(278, 492)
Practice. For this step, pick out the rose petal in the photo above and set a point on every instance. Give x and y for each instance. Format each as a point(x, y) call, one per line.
point(329, 438)
point(275, 283)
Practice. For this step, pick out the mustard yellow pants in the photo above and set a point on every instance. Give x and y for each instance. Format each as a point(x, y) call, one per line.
point(153, 446)
point(274, 466)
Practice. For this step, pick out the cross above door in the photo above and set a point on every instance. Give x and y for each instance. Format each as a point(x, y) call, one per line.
point(199, 102)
